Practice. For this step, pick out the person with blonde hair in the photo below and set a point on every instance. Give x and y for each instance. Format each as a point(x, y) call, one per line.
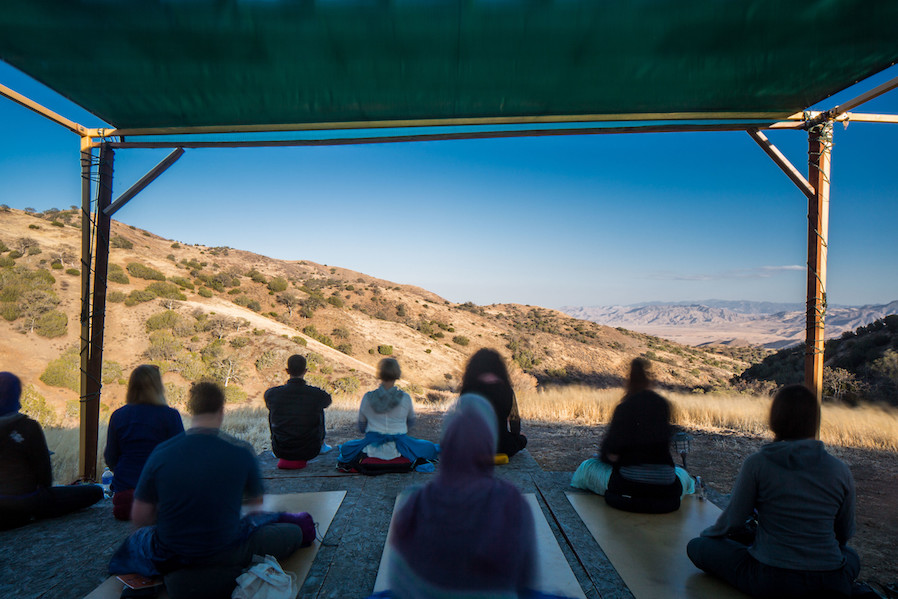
point(385, 415)
point(634, 470)
point(134, 431)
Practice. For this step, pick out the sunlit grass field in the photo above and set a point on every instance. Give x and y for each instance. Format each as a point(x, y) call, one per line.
point(868, 427)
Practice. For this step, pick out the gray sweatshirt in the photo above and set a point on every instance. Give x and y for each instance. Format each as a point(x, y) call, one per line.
point(805, 502)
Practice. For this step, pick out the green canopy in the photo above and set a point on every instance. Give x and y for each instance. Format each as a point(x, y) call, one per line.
point(184, 63)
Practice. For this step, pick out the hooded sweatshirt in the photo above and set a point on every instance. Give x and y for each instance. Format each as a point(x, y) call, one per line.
point(387, 411)
point(805, 500)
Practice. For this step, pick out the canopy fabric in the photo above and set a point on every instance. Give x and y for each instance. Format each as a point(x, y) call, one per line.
point(186, 63)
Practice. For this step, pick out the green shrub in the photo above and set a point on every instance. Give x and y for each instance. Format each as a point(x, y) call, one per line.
point(277, 284)
point(267, 359)
point(346, 348)
point(175, 395)
point(51, 324)
point(120, 242)
point(72, 271)
point(9, 311)
point(166, 290)
point(141, 271)
point(257, 277)
point(162, 320)
point(56, 223)
point(461, 340)
point(340, 333)
point(56, 265)
point(176, 246)
point(182, 282)
point(15, 254)
point(234, 394)
point(33, 227)
point(385, 350)
point(117, 275)
point(335, 301)
point(6, 261)
point(116, 297)
point(347, 385)
point(34, 404)
point(427, 351)
point(238, 342)
point(299, 340)
point(204, 292)
point(139, 296)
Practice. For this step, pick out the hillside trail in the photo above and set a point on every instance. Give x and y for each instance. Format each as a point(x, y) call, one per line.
point(264, 323)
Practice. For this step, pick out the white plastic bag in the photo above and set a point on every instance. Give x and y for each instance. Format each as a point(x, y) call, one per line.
point(265, 579)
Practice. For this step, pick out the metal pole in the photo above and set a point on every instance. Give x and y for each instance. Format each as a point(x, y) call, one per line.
point(86, 170)
point(98, 312)
point(820, 143)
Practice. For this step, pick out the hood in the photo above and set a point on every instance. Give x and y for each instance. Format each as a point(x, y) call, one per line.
point(795, 455)
point(383, 400)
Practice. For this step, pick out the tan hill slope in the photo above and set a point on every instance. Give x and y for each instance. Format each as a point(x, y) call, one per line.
point(234, 316)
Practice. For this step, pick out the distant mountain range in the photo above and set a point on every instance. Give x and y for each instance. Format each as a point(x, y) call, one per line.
point(724, 322)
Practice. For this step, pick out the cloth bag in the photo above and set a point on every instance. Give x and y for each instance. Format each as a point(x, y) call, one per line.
point(265, 579)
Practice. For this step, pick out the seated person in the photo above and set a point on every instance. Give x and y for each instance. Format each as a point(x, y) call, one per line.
point(487, 376)
point(188, 502)
point(296, 417)
point(635, 471)
point(135, 429)
point(385, 415)
point(804, 499)
point(466, 533)
point(26, 479)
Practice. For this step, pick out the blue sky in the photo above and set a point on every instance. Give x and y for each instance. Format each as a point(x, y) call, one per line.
point(580, 220)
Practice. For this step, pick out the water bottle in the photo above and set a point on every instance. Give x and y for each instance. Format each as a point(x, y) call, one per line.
point(106, 481)
point(700, 488)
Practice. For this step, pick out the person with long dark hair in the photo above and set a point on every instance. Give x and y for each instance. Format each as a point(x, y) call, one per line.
point(803, 501)
point(487, 376)
point(134, 431)
point(634, 470)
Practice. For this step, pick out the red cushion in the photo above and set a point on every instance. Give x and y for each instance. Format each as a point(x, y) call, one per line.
point(291, 464)
point(394, 461)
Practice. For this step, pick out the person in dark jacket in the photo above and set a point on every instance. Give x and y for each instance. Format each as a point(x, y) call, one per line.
point(486, 375)
point(296, 417)
point(135, 429)
point(635, 471)
point(803, 499)
point(26, 479)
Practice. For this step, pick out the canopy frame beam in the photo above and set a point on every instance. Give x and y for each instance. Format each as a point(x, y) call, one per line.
point(781, 161)
point(144, 181)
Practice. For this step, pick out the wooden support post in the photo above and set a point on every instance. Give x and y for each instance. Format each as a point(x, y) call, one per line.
point(86, 261)
point(820, 141)
point(98, 314)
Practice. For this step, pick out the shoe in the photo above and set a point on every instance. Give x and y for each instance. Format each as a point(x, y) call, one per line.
point(325, 448)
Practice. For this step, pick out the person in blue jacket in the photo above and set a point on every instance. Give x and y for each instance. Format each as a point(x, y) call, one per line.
point(134, 431)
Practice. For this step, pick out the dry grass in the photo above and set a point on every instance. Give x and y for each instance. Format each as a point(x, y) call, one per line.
point(868, 427)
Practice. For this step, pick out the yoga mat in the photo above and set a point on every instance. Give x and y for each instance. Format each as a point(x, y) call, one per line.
point(649, 550)
point(555, 575)
point(323, 507)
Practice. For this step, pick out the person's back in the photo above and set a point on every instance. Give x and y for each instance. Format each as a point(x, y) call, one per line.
point(387, 411)
point(23, 466)
point(804, 499)
point(134, 432)
point(465, 533)
point(197, 481)
point(296, 415)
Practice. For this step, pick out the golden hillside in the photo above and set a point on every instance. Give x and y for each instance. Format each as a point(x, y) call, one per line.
point(235, 316)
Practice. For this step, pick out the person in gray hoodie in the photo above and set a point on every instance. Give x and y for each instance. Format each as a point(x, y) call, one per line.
point(385, 415)
point(803, 499)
